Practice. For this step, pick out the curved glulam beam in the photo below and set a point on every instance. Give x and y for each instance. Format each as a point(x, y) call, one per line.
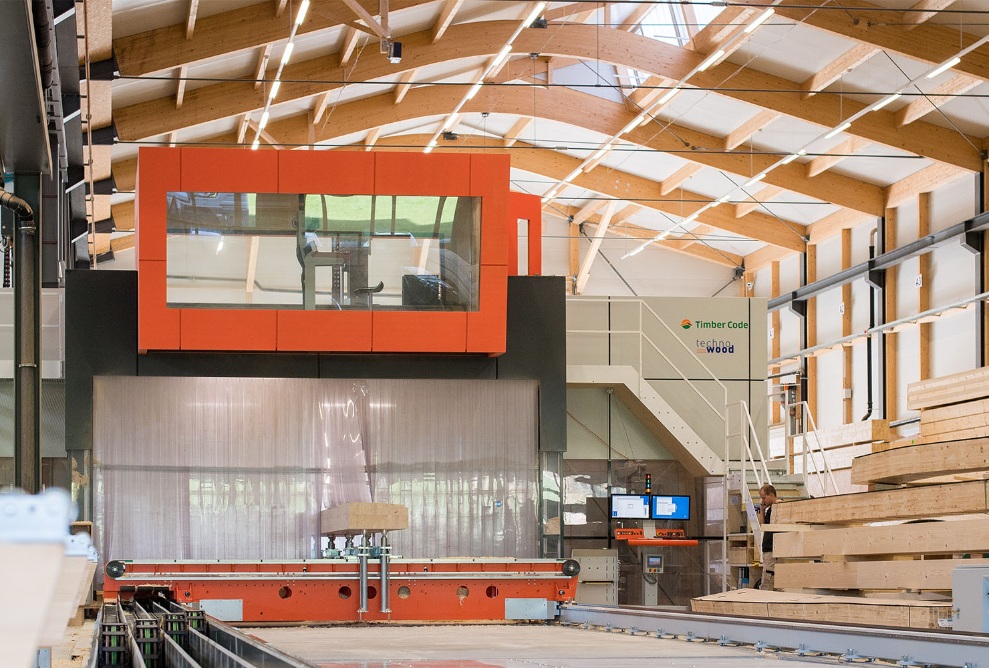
point(584, 111)
point(592, 113)
point(480, 39)
point(641, 191)
point(228, 32)
point(882, 27)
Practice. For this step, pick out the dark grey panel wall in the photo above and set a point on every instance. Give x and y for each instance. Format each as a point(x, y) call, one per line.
point(101, 339)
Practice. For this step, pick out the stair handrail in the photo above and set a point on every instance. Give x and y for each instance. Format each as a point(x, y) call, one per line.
point(745, 459)
point(804, 407)
point(645, 337)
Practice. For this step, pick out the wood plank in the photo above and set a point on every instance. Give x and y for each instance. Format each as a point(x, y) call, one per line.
point(914, 463)
point(944, 390)
point(913, 574)
point(953, 537)
point(351, 518)
point(817, 607)
point(908, 503)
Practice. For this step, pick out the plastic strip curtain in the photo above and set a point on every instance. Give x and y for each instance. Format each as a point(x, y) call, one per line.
point(240, 468)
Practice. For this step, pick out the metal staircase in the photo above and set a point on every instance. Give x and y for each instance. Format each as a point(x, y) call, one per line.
point(701, 457)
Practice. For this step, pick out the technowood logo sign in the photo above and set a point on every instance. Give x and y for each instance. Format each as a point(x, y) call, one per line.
point(715, 346)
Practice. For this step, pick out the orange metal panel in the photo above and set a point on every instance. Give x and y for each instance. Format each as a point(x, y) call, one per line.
point(329, 172)
point(158, 327)
point(419, 332)
point(229, 170)
point(422, 174)
point(228, 329)
point(329, 590)
point(157, 173)
point(325, 331)
point(486, 328)
point(528, 207)
point(489, 176)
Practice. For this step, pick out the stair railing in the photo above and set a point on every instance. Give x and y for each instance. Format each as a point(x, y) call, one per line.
point(746, 461)
point(647, 314)
point(811, 446)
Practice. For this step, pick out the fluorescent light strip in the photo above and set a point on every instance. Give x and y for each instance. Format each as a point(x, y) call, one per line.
point(473, 91)
point(572, 175)
point(274, 89)
point(534, 14)
point(430, 146)
point(301, 16)
point(944, 67)
point(631, 126)
point(504, 53)
point(264, 120)
point(287, 53)
point(838, 130)
point(711, 60)
point(670, 94)
point(793, 156)
point(886, 100)
point(762, 18)
point(754, 180)
point(450, 122)
point(254, 145)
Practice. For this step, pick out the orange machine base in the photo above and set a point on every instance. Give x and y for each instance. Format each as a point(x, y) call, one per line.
point(328, 590)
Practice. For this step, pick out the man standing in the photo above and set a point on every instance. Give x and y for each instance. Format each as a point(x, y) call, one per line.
point(767, 493)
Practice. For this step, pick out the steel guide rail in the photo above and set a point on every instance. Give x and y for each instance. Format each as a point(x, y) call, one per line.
point(850, 643)
point(177, 636)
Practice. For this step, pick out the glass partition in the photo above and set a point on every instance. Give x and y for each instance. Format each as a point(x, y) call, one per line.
point(349, 252)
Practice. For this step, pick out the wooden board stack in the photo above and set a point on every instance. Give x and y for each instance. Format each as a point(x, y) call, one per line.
point(951, 407)
point(927, 511)
point(841, 445)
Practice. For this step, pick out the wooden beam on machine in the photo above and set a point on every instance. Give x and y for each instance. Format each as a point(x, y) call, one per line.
point(180, 90)
point(676, 179)
point(404, 85)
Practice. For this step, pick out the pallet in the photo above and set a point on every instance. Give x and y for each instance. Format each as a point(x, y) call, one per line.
point(916, 463)
point(900, 574)
point(909, 503)
point(955, 537)
point(823, 608)
point(946, 390)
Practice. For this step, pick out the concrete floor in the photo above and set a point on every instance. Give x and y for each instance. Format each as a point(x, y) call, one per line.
point(501, 646)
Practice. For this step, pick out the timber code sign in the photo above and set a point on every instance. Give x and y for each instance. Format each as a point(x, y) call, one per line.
point(714, 336)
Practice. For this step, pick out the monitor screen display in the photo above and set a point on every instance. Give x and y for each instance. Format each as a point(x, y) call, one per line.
point(670, 507)
point(630, 506)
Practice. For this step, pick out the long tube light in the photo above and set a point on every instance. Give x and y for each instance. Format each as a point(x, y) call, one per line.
point(287, 53)
point(301, 16)
point(473, 91)
point(572, 175)
point(889, 99)
point(759, 20)
point(944, 67)
point(838, 130)
point(711, 60)
point(264, 120)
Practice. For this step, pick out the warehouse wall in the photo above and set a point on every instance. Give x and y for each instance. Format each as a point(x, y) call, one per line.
point(951, 275)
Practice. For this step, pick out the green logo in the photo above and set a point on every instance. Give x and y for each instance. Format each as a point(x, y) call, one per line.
point(686, 324)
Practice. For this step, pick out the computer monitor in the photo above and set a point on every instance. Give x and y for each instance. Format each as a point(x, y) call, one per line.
point(630, 506)
point(670, 507)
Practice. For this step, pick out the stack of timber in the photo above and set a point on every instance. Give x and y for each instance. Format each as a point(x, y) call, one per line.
point(898, 544)
point(840, 445)
point(822, 608)
point(951, 407)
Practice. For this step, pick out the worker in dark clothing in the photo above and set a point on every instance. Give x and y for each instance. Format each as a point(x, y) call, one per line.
point(767, 494)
